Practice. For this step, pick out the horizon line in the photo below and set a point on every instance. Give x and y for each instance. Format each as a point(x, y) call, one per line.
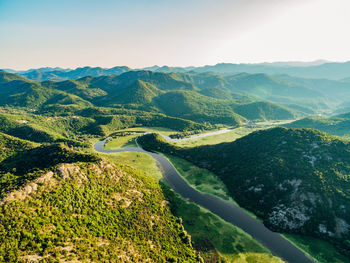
point(325, 61)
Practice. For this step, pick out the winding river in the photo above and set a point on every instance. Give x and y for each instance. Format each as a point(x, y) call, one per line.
point(196, 136)
point(231, 213)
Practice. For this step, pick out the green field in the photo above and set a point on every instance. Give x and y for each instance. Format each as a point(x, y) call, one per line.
point(215, 239)
point(138, 161)
point(121, 141)
point(125, 141)
point(231, 244)
point(229, 136)
point(207, 182)
point(160, 130)
point(201, 179)
point(320, 250)
point(129, 140)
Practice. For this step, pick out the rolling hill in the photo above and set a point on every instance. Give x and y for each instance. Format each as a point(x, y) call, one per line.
point(336, 125)
point(62, 205)
point(21, 92)
point(329, 70)
point(10, 145)
point(153, 92)
point(57, 74)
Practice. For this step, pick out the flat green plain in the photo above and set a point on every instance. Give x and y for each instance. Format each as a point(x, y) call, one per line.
point(230, 136)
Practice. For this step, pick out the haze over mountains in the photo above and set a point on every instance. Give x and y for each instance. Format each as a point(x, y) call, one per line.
point(314, 69)
point(307, 87)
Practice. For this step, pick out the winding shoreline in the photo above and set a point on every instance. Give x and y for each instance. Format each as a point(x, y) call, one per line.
point(278, 245)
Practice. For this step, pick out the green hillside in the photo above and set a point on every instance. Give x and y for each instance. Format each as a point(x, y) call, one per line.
point(329, 70)
point(68, 206)
point(10, 145)
point(57, 74)
point(171, 94)
point(162, 81)
point(265, 111)
point(79, 88)
point(194, 106)
point(139, 92)
point(217, 93)
point(337, 125)
point(280, 89)
point(7, 77)
point(296, 180)
point(17, 91)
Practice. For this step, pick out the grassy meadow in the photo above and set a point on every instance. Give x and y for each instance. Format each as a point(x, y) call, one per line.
point(230, 136)
point(138, 161)
point(320, 250)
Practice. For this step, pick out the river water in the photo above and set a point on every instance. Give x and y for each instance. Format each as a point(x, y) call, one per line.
point(231, 213)
point(196, 136)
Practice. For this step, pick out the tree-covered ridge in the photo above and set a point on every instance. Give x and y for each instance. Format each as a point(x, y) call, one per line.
point(10, 145)
point(264, 111)
point(83, 124)
point(309, 70)
point(146, 91)
point(91, 211)
point(25, 164)
point(21, 92)
point(58, 74)
point(336, 125)
point(280, 84)
point(296, 180)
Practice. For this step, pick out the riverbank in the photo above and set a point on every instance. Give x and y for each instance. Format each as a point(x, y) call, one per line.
point(233, 214)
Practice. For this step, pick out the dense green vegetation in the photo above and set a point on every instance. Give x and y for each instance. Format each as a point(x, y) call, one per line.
point(313, 70)
point(303, 88)
point(65, 205)
point(139, 161)
point(57, 74)
point(142, 93)
point(324, 70)
point(10, 145)
point(58, 203)
point(296, 180)
point(336, 125)
point(229, 136)
point(215, 239)
point(86, 124)
point(321, 250)
point(201, 179)
point(24, 165)
point(73, 206)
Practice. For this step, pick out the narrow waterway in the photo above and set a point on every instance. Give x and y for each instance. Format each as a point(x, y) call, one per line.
point(196, 136)
point(278, 245)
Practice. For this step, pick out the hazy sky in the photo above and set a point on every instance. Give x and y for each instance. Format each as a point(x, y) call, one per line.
point(138, 33)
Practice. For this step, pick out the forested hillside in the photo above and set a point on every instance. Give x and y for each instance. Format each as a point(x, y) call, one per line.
point(61, 205)
point(337, 125)
point(296, 180)
point(176, 96)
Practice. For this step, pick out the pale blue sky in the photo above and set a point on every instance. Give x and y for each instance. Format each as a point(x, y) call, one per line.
point(140, 33)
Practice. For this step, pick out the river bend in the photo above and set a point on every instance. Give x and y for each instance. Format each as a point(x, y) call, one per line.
point(231, 213)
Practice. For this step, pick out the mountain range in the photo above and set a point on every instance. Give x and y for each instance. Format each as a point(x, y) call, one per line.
point(176, 95)
point(59, 201)
point(314, 69)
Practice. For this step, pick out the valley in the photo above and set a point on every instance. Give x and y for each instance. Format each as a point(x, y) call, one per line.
point(174, 131)
point(231, 184)
point(231, 213)
point(205, 182)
